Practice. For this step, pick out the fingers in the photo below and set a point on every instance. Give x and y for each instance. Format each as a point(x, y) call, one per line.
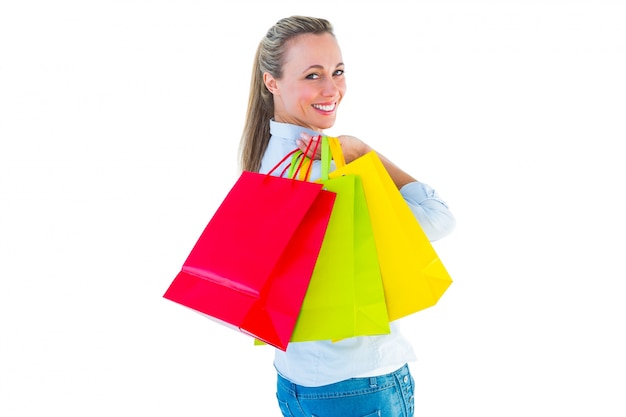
point(309, 145)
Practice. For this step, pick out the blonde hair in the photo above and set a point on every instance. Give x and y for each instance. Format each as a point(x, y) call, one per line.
point(269, 58)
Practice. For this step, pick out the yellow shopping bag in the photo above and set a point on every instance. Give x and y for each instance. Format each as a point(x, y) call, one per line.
point(414, 278)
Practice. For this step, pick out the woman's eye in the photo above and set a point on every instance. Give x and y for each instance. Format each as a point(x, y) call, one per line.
point(316, 76)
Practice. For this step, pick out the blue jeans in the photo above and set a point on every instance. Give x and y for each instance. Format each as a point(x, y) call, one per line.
point(388, 395)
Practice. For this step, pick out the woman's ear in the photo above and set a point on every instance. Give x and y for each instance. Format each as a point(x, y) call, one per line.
point(270, 82)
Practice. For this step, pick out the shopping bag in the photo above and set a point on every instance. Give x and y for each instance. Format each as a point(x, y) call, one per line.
point(345, 297)
point(413, 276)
point(252, 264)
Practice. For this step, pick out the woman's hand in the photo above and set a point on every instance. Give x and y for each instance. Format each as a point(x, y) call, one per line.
point(303, 145)
point(352, 147)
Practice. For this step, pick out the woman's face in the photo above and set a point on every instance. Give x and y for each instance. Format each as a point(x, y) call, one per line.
point(313, 83)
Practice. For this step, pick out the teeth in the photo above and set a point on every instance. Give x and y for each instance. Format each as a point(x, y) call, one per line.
point(329, 107)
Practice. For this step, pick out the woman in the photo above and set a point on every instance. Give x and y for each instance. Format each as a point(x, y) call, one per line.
point(297, 85)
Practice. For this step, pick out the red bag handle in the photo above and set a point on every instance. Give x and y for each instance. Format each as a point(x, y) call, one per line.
point(301, 160)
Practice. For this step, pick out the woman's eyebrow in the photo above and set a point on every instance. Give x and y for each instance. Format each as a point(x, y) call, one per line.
point(321, 67)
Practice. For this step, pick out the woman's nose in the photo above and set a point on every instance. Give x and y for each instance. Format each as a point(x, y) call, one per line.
point(330, 88)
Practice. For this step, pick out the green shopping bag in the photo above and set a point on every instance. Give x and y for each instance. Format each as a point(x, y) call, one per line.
point(345, 297)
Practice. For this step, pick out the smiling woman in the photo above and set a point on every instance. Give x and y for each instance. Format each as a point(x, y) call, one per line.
point(298, 83)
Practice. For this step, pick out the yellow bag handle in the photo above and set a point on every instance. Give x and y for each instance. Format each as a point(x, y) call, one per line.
point(305, 171)
point(335, 150)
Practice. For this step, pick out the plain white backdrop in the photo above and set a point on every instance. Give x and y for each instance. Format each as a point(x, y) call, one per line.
point(119, 128)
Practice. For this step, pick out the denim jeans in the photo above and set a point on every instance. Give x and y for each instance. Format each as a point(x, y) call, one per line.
point(388, 395)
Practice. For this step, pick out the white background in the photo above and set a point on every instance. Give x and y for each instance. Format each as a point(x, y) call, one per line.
point(119, 128)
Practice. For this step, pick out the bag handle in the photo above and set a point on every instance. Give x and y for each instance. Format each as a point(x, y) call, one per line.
point(280, 162)
point(337, 153)
point(331, 150)
point(326, 158)
point(293, 154)
point(298, 161)
point(310, 162)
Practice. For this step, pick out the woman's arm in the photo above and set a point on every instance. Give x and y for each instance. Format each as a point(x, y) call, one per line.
point(353, 148)
point(428, 208)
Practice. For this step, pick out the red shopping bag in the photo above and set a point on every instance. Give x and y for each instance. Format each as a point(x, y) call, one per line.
point(252, 264)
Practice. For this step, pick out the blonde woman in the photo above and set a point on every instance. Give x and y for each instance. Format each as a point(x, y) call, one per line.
point(298, 82)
